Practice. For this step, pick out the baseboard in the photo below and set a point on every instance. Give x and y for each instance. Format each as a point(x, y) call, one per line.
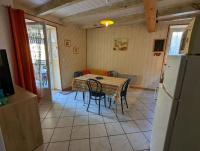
point(142, 88)
point(67, 89)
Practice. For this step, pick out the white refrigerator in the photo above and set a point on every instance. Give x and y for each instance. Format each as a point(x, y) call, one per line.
point(176, 125)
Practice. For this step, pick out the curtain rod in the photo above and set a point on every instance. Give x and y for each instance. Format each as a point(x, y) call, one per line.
point(6, 6)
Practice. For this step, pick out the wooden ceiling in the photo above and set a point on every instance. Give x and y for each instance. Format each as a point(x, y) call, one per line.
point(88, 13)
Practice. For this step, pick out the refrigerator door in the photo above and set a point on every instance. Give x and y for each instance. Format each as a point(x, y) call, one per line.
point(186, 132)
point(161, 120)
point(173, 75)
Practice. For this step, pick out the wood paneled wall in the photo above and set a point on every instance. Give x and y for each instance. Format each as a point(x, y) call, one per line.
point(137, 60)
point(69, 62)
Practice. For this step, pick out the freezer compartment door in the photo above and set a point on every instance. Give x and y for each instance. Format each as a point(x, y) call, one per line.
point(173, 75)
point(161, 120)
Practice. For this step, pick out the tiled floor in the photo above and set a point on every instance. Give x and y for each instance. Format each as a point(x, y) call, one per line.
point(68, 127)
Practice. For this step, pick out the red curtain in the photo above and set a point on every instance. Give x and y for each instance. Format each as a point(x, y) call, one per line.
point(23, 67)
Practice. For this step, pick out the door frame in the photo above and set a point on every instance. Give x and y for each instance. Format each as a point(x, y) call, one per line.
point(46, 51)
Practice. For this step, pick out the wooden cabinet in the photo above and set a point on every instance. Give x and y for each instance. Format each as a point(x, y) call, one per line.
point(20, 122)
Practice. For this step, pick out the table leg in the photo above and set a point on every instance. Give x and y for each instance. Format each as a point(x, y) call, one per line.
point(84, 97)
point(116, 108)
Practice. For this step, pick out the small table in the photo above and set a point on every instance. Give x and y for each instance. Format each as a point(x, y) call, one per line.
point(111, 86)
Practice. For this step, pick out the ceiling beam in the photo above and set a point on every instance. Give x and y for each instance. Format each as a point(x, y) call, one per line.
point(178, 15)
point(54, 5)
point(123, 5)
point(150, 14)
point(178, 12)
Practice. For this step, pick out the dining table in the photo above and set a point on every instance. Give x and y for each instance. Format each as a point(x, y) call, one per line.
point(111, 86)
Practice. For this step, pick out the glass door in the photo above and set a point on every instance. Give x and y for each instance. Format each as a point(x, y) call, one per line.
point(38, 47)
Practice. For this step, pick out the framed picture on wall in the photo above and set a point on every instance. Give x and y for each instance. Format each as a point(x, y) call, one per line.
point(159, 45)
point(75, 50)
point(120, 44)
point(67, 43)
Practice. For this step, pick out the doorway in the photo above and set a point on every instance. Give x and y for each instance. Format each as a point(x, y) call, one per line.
point(175, 38)
point(43, 47)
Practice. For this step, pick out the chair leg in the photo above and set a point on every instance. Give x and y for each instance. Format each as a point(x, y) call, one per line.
point(99, 105)
point(84, 97)
point(110, 101)
point(105, 101)
point(122, 106)
point(95, 99)
point(88, 104)
point(75, 95)
point(126, 102)
point(116, 108)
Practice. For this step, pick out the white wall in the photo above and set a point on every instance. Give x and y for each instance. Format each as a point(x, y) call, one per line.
point(137, 60)
point(5, 39)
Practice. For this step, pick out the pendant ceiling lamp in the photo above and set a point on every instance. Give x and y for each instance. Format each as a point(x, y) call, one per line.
point(107, 22)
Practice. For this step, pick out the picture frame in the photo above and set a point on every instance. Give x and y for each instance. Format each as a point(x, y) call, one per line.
point(120, 44)
point(67, 43)
point(75, 50)
point(159, 45)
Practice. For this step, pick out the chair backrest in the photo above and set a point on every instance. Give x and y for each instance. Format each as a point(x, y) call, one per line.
point(78, 74)
point(112, 73)
point(125, 86)
point(94, 86)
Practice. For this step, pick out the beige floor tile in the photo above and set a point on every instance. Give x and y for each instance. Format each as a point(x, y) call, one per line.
point(58, 146)
point(130, 127)
point(114, 128)
point(97, 130)
point(136, 115)
point(150, 120)
point(79, 145)
point(123, 117)
point(120, 143)
point(95, 119)
point(49, 122)
point(148, 114)
point(138, 141)
point(81, 120)
point(68, 112)
point(144, 125)
point(65, 121)
point(100, 144)
point(47, 134)
point(42, 148)
point(80, 132)
point(53, 113)
point(81, 112)
point(148, 135)
point(57, 106)
point(61, 134)
point(110, 118)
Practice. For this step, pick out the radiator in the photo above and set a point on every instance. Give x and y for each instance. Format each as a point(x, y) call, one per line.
point(128, 76)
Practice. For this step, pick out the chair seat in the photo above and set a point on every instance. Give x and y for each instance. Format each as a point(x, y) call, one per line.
point(123, 93)
point(97, 94)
